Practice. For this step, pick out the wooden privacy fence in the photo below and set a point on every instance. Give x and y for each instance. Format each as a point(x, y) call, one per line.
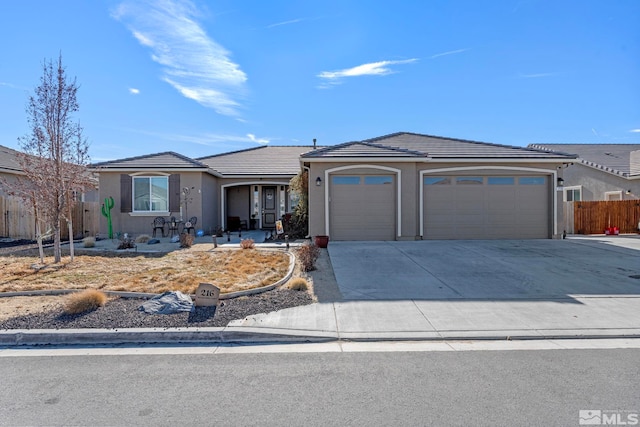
point(18, 222)
point(594, 217)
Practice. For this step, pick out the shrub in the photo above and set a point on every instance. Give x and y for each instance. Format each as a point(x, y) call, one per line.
point(307, 255)
point(186, 240)
point(127, 243)
point(143, 238)
point(87, 300)
point(298, 284)
point(247, 244)
point(89, 242)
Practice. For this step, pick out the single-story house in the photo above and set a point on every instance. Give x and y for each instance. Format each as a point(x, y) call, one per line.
point(403, 186)
point(600, 172)
point(249, 187)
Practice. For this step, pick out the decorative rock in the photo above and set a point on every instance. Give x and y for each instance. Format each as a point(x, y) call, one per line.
point(168, 303)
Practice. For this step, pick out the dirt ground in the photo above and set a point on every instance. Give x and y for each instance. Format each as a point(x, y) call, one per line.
point(14, 306)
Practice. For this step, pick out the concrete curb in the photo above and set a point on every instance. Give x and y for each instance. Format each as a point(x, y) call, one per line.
point(252, 335)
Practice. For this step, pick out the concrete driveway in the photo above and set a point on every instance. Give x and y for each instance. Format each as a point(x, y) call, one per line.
point(487, 270)
point(465, 290)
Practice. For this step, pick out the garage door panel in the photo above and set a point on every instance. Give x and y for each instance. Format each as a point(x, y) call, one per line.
point(499, 208)
point(363, 211)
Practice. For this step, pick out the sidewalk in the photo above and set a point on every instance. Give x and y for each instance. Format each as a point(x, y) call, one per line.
point(591, 313)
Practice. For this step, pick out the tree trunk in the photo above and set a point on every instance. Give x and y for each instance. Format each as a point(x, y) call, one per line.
point(70, 224)
point(39, 239)
point(57, 255)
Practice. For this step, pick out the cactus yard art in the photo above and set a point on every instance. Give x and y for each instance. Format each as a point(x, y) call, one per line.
point(106, 212)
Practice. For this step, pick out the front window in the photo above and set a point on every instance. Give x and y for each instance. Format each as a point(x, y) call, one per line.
point(151, 194)
point(572, 194)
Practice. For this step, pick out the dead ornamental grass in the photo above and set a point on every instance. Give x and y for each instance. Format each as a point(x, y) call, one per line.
point(83, 301)
point(231, 271)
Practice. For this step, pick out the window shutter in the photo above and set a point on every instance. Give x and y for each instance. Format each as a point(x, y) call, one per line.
point(174, 192)
point(125, 193)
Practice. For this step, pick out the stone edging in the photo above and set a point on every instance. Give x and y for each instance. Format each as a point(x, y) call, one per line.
point(144, 295)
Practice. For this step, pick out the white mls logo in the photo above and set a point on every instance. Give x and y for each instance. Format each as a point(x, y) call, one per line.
point(590, 417)
point(597, 417)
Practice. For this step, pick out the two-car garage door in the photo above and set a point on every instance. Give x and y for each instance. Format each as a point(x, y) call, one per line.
point(365, 207)
point(486, 207)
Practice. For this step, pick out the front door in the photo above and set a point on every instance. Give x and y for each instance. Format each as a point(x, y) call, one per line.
point(269, 207)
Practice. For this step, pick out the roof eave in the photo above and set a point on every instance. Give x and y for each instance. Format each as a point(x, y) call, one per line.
point(441, 159)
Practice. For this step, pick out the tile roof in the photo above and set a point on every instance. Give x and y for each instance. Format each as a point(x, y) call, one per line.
point(8, 161)
point(363, 149)
point(259, 161)
point(166, 160)
point(404, 144)
point(617, 159)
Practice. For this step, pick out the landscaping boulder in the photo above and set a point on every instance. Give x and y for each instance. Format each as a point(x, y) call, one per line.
point(168, 303)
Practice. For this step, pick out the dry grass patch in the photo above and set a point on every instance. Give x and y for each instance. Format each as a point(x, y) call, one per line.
point(231, 271)
point(298, 284)
point(87, 300)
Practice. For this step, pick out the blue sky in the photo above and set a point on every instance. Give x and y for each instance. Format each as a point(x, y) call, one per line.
point(204, 77)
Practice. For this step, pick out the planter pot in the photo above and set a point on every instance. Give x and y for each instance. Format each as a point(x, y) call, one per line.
point(322, 241)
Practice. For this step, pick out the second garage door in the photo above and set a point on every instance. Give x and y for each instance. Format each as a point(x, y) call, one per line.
point(362, 207)
point(486, 207)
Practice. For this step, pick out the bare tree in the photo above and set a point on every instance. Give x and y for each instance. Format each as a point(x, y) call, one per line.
point(55, 152)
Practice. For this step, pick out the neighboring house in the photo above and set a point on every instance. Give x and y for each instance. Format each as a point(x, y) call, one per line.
point(246, 185)
point(9, 167)
point(601, 171)
point(402, 186)
point(17, 220)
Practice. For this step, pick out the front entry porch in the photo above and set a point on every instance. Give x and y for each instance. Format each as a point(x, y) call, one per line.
point(254, 206)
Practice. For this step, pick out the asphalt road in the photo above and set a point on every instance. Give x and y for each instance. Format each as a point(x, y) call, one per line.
point(480, 388)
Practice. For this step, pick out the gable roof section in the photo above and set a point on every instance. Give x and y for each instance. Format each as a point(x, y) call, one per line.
point(160, 161)
point(412, 145)
point(258, 161)
point(362, 149)
point(616, 159)
point(8, 160)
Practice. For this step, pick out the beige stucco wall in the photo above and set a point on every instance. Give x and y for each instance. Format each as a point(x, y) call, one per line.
point(140, 223)
point(410, 188)
point(595, 183)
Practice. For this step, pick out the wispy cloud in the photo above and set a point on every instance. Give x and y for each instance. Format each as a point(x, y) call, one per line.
point(635, 131)
point(12, 86)
point(595, 132)
point(536, 76)
point(292, 21)
point(450, 52)
point(253, 138)
point(134, 91)
point(193, 63)
point(380, 68)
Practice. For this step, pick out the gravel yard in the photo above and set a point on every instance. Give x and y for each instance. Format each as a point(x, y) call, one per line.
point(124, 313)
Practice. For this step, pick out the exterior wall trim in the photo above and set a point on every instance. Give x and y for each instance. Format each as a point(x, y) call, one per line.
point(552, 172)
point(398, 173)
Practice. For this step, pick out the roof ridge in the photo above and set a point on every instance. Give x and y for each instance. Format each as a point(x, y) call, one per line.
point(243, 150)
point(147, 156)
point(470, 141)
